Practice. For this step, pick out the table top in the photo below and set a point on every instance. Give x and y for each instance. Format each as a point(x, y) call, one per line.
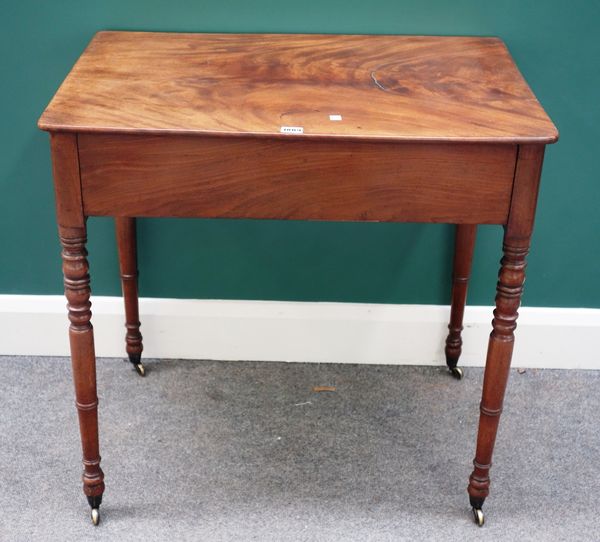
point(397, 88)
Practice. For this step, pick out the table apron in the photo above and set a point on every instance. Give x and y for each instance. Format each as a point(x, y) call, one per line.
point(295, 178)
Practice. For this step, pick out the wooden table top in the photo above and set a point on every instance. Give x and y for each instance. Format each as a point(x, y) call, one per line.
point(398, 88)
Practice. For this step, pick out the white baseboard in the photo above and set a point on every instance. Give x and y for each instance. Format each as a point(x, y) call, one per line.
point(301, 331)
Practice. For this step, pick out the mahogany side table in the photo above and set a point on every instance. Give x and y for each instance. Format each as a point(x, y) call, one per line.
point(310, 127)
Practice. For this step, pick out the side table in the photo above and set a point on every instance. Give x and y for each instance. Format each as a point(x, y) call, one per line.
point(303, 127)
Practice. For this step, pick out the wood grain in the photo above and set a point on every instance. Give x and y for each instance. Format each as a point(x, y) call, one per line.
point(304, 180)
point(417, 88)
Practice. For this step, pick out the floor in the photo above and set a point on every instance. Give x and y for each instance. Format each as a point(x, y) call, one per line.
point(236, 451)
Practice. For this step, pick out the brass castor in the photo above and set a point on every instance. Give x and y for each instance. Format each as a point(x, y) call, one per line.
point(478, 517)
point(457, 372)
point(95, 516)
point(136, 361)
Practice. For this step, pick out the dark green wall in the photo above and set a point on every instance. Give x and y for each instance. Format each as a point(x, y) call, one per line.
point(555, 43)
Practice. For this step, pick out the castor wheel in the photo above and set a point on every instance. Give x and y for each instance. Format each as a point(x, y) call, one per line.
point(478, 516)
point(136, 361)
point(457, 372)
point(95, 516)
point(94, 502)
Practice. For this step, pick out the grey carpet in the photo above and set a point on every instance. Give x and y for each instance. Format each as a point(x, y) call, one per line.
point(213, 451)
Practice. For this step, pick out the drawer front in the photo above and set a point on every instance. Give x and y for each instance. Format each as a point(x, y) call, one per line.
point(190, 176)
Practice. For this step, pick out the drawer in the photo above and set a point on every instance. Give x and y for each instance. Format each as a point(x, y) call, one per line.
point(294, 178)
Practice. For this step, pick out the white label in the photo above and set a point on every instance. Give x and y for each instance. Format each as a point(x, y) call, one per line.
point(292, 130)
point(335, 117)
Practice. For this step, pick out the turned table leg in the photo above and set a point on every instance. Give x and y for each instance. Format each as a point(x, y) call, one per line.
point(463, 256)
point(511, 278)
point(83, 359)
point(127, 246)
point(510, 287)
point(73, 235)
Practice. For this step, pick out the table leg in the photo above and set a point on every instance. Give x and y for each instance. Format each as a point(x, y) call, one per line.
point(73, 236)
point(511, 278)
point(83, 359)
point(127, 246)
point(463, 256)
